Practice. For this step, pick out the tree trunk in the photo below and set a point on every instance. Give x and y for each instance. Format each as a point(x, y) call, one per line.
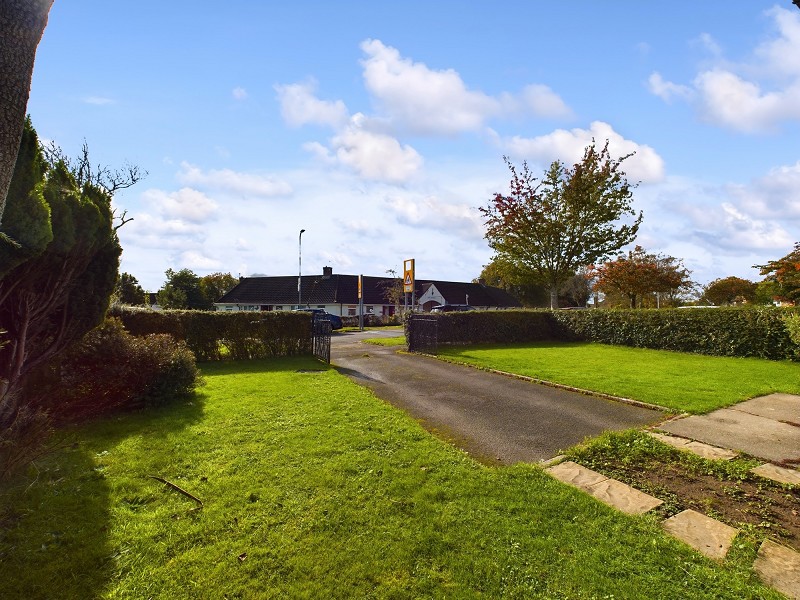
point(22, 23)
point(553, 296)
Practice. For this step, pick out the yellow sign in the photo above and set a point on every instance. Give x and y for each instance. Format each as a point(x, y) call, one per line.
point(408, 276)
point(359, 287)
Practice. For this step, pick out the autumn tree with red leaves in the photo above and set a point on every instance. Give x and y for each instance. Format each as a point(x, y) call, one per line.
point(786, 273)
point(549, 229)
point(639, 275)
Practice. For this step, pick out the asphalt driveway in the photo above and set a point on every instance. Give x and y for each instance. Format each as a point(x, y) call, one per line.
point(495, 418)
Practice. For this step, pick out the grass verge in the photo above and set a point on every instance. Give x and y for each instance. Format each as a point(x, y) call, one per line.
point(691, 383)
point(314, 488)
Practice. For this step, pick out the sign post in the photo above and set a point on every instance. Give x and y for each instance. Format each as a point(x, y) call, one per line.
point(361, 303)
point(408, 281)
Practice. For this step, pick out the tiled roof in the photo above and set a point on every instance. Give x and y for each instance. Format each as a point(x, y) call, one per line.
point(455, 292)
point(343, 289)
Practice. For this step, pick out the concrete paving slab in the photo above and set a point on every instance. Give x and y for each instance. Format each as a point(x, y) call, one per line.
point(781, 407)
point(623, 497)
point(710, 452)
point(706, 535)
point(576, 475)
point(756, 435)
point(776, 473)
point(699, 448)
point(672, 440)
point(779, 567)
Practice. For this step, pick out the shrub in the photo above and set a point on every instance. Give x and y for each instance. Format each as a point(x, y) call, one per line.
point(111, 370)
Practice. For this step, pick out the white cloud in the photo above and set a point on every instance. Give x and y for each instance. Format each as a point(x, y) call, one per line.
point(151, 231)
point(375, 156)
point(754, 96)
point(433, 213)
point(246, 184)
point(782, 54)
point(738, 232)
point(186, 204)
point(239, 93)
point(666, 90)
point(774, 196)
point(430, 101)
point(300, 106)
point(568, 146)
point(192, 259)
point(544, 102)
point(728, 100)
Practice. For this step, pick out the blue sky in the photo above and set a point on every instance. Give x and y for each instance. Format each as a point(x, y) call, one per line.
point(380, 128)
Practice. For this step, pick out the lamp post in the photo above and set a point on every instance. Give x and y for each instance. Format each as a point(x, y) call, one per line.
point(300, 268)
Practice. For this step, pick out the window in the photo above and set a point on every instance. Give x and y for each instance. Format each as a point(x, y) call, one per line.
point(351, 311)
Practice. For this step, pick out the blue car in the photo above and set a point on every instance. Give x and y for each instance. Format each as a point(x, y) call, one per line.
point(336, 321)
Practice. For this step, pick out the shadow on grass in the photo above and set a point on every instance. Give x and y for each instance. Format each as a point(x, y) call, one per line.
point(55, 519)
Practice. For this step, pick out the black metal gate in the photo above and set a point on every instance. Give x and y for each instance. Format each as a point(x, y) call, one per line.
point(321, 337)
point(423, 334)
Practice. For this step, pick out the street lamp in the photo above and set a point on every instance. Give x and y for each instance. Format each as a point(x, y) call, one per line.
point(300, 268)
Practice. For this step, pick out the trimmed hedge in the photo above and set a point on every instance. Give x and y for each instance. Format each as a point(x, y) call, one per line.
point(762, 332)
point(214, 335)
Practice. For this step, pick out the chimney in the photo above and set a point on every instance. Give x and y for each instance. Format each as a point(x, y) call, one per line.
point(482, 281)
point(327, 272)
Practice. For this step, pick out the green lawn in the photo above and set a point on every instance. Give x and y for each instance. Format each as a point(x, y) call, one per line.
point(387, 341)
point(313, 488)
point(684, 382)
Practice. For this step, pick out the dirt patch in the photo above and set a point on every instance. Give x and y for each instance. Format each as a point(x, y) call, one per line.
point(754, 504)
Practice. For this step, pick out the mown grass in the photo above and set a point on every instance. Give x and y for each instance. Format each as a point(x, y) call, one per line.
point(387, 341)
point(683, 382)
point(314, 488)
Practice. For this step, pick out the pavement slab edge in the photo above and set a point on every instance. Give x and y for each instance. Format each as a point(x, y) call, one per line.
point(706, 535)
point(779, 567)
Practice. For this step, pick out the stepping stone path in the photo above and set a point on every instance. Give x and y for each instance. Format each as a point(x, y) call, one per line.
point(610, 491)
point(779, 474)
point(776, 565)
point(699, 448)
point(779, 567)
point(706, 535)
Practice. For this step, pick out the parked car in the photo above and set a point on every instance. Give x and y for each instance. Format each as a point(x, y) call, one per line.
point(336, 320)
point(440, 308)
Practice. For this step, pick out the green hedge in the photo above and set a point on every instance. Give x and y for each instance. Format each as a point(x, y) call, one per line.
point(214, 335)
point(495, 326)
point(760, 332)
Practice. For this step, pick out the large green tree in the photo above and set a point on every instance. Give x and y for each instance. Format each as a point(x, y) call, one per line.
point(182, 291)
point(729, 290)
point(503, 275)
point(22, 24)
point(549, 229)
point(216, 285)
point(128, 291)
